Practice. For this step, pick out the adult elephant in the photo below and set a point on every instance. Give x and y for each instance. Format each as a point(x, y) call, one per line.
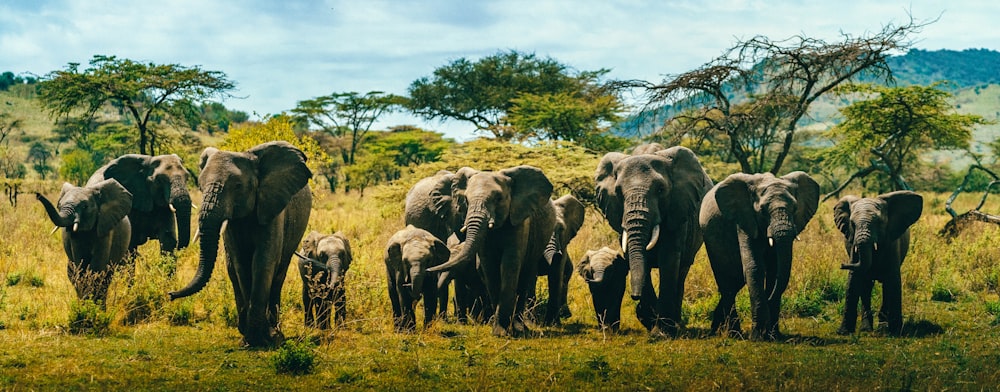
point(605, 272)
point(509, 223)
point(558, 267)
point(408, 255)
point(877, 237)
point(262, 196)
point(653, 200)
point(161, 203)
point(750, 222)
point(95, 233)
point(437, 204)
point(323, 263)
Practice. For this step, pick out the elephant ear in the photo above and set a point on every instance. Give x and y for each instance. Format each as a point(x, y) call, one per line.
point(905, 208)
point(205, 154)
point(440, 251)
point(281, 172)
point(736, 199)
point(573, 213)
point(842, 214)
point(394, 255)
point(807, 195)
point(584, 264)
point(441, 196)
point(530, 191)
point(132, 171)
point(689, 181)
point(114, 202)
point(309, 244)
point(607, 198)
point(348, 256)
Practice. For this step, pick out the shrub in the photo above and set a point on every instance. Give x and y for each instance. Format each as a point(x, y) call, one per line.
point(88, 318)
point(36, 281)
point(14, 278)
point(993, 308)
point(294, 358)
point(182, 313)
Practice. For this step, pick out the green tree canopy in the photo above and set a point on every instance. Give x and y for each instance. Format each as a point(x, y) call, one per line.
point(887, 132)
point(347, 116)
point(142, 89)
point(555, 100)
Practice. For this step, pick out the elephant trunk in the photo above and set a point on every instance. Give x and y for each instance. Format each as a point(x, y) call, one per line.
point(61, 218)
point(335, 265)
point(417, 282)
point(210, 222)
point(861, 252)
point(637, 240)
point(783, 256)
point(781, 227)
point(474, 240)
point(598, 276)
point(181, 202)
point(553, 252)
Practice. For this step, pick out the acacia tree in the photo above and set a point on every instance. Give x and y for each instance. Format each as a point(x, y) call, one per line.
point(143, 90)
point(886, 133)
point(485, 93)
point(752, 97)
point(347, 116)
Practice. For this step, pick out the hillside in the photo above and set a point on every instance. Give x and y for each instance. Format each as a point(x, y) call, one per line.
point(965, 68)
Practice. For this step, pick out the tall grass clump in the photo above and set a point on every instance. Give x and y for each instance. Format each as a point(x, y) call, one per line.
point(88, 318)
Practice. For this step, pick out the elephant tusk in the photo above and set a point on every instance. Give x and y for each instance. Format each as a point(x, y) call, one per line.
point(54, 228)
point(75, 227)
point(305, 258)
point(172, 209)
point(624, 240)
point(770, 241)
point(462, 230)
point(195, 206)
point(876, 246)
point(197, 233)
point(653, 238)
point(225, 224)
point(797, 238)
point(490, 224)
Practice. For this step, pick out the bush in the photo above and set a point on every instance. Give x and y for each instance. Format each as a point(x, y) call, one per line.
point(88, 318)
point(294, 358)
point(13, 278)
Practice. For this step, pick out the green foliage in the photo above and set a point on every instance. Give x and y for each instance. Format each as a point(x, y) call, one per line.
point(77, 166)
point(583, 116)
point(8, 79)
point(14, 278)
point(993, 308)
point(88, 318)
point(347, 116)
point(144, 91)
point(294, 358)
point(210, 117)
point(409, 146)
point(484, 92)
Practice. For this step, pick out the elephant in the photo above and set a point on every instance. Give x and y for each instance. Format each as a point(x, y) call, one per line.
point(161, 203)
point(648, 148)
point(95, 233)
point(323, 262)
point(652, 201)
point(262, 196)
point(472, 302)
point(605, 272)
point(437, 204)
point(750, 222)
point(557, 266)
point(408, 255)
point(877, 237)
point(509, 223)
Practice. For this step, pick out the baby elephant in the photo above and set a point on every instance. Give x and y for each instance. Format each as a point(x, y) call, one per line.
point(408, 255)
point(877, 236)
point(605, 271)
point(324, 261)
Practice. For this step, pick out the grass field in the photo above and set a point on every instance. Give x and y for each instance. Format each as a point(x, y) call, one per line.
point(951, 305)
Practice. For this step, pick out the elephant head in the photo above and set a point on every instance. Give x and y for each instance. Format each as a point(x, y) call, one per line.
point(326, 254)
point(411, 252)
point(872, 222)
point(648, 148)
point(255, 186)
point(641, 194)
point(437, 203)
point(605, 271)
point(598, 264)
point(94, 208)
point(501, 198)
point(569, 220)
point(156, 183)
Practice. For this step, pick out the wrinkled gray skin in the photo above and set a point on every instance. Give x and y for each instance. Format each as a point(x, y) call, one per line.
point(509, 223)
point(750, 222)
point(653, 200)
point(558, 267)
point(326, 259)
point(605, 272)
point(648, 148)
point(161, 203)
point(95, 232)
point(877, 237)
point(408, 255)
point(437, 204)
point(472, 302)
point(263, 197)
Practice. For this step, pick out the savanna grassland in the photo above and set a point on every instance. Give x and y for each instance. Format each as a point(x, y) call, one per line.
point(951, 306)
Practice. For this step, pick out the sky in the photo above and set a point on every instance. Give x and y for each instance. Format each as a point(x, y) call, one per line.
point(282, 52)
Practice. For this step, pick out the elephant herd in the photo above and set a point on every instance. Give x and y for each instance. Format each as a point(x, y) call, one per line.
point(491, 234)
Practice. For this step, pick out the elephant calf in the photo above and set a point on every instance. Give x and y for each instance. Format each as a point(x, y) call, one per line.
point(877, 237)
point(557, 266)
point(605, 271)
point(323, 262)
point(408, 255)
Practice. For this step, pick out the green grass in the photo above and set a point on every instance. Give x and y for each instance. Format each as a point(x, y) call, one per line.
point(193, 343)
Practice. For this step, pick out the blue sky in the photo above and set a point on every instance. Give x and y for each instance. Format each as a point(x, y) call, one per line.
point(281, 52)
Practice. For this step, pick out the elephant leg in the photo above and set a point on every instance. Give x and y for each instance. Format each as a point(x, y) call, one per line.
point(854, 292)
point(724, 317)
point(776, 290)
point(409, 322)
point(616, 291)
point(668, 306)
point(236, 277)
point(556, 289)
point(507, 296)
point(340, 306)
point(645, 309)
point(394, 298)
point(430, 301)
point(867, 316)
point(564, 311)
point(307, 306)
point(754, 274)
point(443, 280)
point(892, 304)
